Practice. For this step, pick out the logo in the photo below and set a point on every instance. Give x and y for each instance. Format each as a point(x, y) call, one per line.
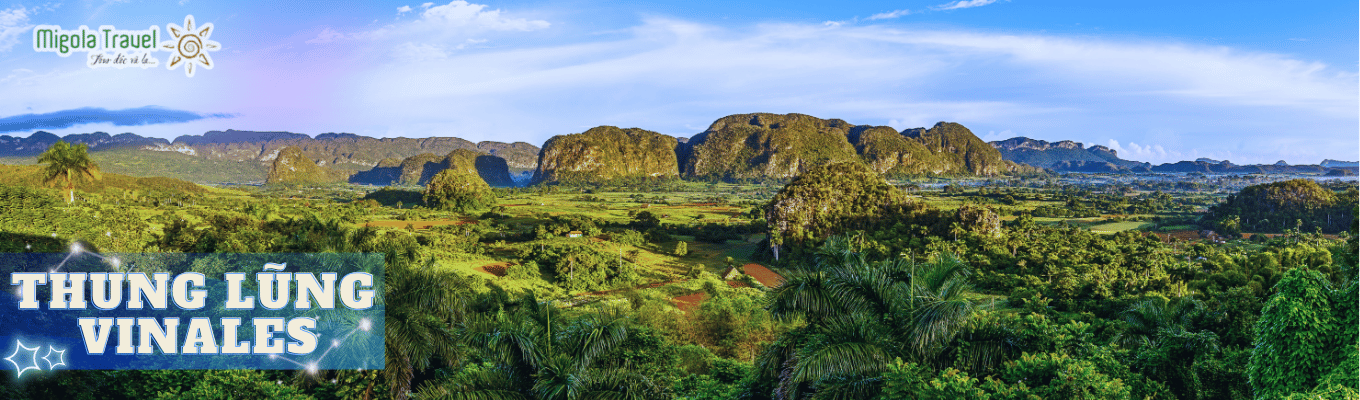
point(109, 46)
point(191, 46)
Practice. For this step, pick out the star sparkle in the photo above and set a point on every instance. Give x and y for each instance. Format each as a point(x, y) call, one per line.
point(31, 353)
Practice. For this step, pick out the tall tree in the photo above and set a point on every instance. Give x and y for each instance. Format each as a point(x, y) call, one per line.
point(1303, 343)
point(861, 316)
point(422, 304)
point(67, 163)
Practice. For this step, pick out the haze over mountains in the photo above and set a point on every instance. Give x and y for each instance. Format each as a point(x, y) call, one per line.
point(757, 146)
point(1069, 156)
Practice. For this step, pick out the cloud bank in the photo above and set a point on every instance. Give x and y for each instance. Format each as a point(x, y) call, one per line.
point(148, 115)
point(964, 4)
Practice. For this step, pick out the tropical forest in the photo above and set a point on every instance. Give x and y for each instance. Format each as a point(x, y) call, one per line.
point(770, 257)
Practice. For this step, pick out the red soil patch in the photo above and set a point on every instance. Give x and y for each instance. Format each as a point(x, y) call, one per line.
point(763, 275)
point(497, 269)
point(690, 302)
point(414, 224)
point(1179, 235)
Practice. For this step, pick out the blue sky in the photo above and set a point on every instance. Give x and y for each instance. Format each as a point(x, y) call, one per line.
point(1160, 81)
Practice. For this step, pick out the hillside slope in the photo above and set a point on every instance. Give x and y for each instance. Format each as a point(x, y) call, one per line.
point(607, 154)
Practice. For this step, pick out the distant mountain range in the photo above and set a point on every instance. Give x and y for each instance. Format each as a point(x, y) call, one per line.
point(248, 155)
point(1065, 156)
point(756, 146)
point(1069, 156)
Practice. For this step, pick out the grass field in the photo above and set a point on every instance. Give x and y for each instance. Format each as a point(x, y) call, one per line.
point(1113, 227)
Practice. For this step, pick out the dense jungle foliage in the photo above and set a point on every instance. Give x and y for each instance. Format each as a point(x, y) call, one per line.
point(838, 285)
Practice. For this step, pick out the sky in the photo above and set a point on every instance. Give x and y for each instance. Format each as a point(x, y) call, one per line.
point(1158, 81)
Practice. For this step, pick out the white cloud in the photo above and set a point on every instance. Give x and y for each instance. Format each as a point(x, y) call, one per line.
point(441, 29)
point(13, 23)
point(412, 52)
point(993, 136)
point(462, 15)
point(403, 9)
point(889, 15)
point(669, 74)
point(1215, 74)
point(964, 4)
point(327, 35)
point(1152, 153)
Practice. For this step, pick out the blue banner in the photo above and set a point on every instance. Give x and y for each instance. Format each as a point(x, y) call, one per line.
point(83, 310)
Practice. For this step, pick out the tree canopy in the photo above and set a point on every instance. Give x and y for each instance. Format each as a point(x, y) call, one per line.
point(68, 164)
point(459, 191)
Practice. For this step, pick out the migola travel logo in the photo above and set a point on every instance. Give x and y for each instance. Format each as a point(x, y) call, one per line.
point(112, 47)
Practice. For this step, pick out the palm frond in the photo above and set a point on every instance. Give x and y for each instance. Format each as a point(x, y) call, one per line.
point(480, 384)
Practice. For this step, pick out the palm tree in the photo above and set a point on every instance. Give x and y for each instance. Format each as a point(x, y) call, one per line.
point(957, 229)
point(862, 315)
point(538, 354)
point(69, 164)
point(1164, 337)
point(421, 306)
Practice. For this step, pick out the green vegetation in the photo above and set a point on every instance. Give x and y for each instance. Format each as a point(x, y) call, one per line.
point(292, 167)
point(458, 190)
point(766, 147)
point(1298, 204)
point(68, 164)
point(1074, 287)
point(833, 198)
point(176, 165)
point(1306, 339)
point(607, 154)
point(778, 147)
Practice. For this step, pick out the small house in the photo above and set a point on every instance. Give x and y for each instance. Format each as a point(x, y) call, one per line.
point(574, 234)
point(731, 274)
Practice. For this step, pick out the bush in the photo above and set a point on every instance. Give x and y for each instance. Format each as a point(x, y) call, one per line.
point(527, 270)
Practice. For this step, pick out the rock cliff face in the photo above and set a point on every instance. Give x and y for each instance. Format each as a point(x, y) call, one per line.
point(492, 169)
point(889, 153)
point(770, 146)
point(1065, 156)
point(518, 156)
point(342, 151)
point(418, 170)
point(766, 146)
point(605, 154)
point(958, 151)
point(293, 167)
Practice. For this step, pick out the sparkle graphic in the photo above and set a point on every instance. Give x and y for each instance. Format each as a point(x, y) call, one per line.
point(313, 366)
point(61, 357)
point(191, 46)
point(30, 353)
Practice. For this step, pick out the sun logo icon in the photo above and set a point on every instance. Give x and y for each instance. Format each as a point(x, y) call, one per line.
point(191, 46)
